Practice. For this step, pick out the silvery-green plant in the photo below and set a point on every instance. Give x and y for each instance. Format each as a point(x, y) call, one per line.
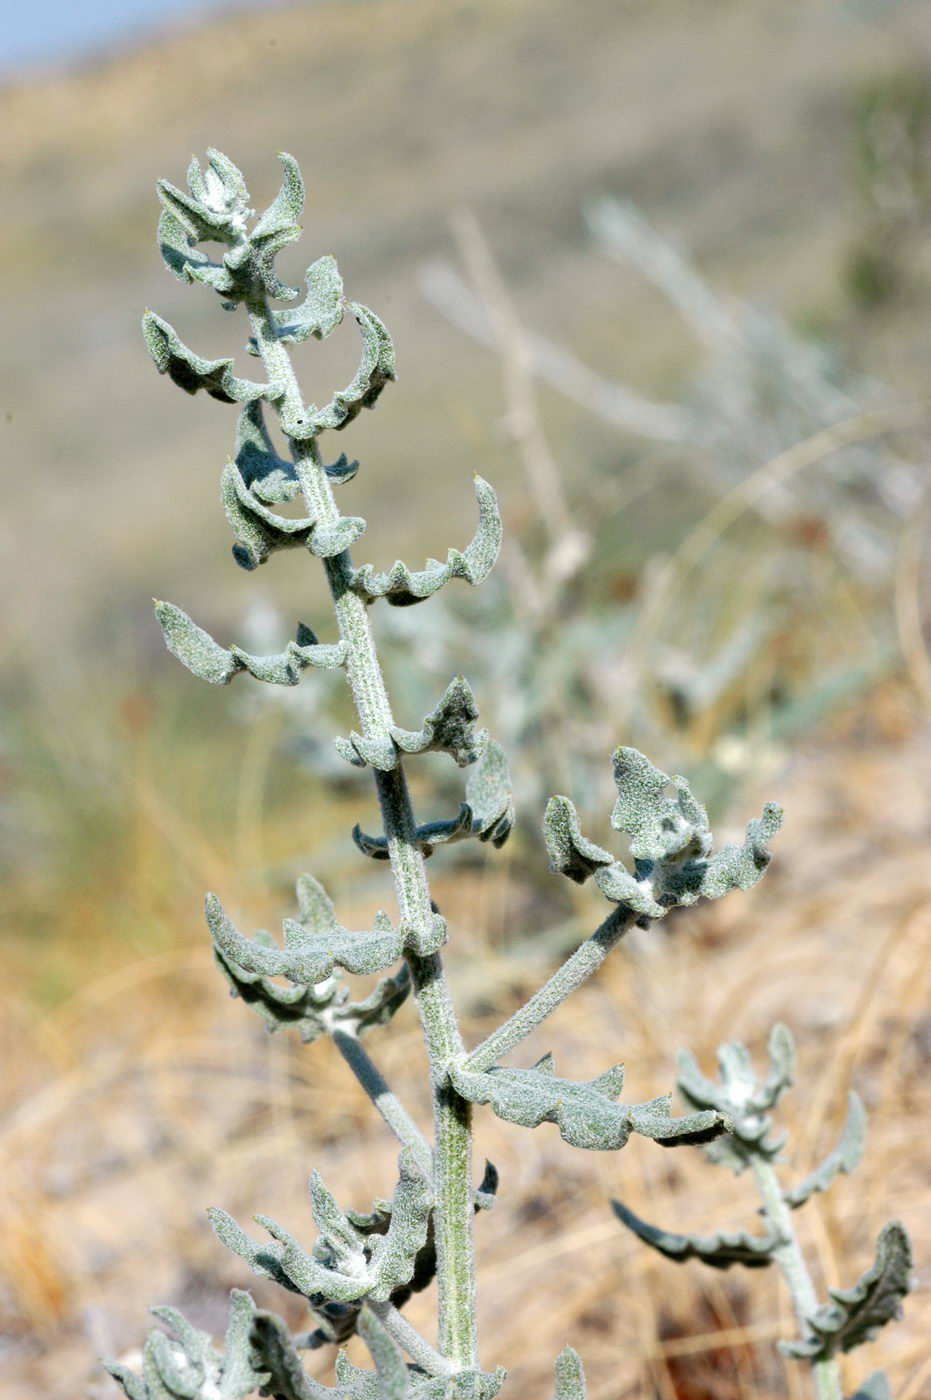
point(363, 1267)
point(853, 1315)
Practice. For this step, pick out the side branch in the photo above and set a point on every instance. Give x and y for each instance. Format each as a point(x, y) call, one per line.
point(586, 959)
point(385, 1100)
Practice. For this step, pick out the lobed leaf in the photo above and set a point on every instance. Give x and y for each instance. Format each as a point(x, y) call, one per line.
point(855, 1315)
point(287, 1379)
point(719, 1250)
point(192, 372)
point(311, 954)
point(845, 1157)
point(322, 310)
point(185, 1366)
point(403, 588)
point(571, 854)
point(585, 1112)
point(197, 650)
point(449, 728)
point(376, 369)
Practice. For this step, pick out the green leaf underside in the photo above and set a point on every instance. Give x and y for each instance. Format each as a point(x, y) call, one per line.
point(720, 1251)
point(380, 1263)
point(205, 658)
point(402, 587)
point(855, 1315)
point(311, 953)
point(585, 1112)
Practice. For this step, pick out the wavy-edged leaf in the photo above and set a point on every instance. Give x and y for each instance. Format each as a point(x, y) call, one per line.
point(275, 1349)
point(488, 795)
point(449, 728)
point(571, 854)
point(390, 1366)
point(310, 955)
point(192, 372)
point(403, 588)
point(178, 247)
point(844, 1158)
point(373, 1267)
point(259, 531)
point(570, 1377)
point(265, 474)
point(376, 369)
point(426, 836)
point(328, 540)
point(286, 209)
point(198, 651)
point(855, 1315)
point(720, 1251)
point(302, 1008)
point(321, 311)
point(377, 751)
point(394, 1254)
point(586, 1113)
point(185, 1365)
point(284, 1261)
point(743, 1096)
point(660, 828)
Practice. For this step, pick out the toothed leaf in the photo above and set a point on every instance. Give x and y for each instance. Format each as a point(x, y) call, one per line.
point(585, 1112)
point(720, 1251)
point(310, 955)
point(571, 854)
point(192, 372)
point(322, 310)
point(855, 1315)
point(404, 588)
point(449, 728)
point(845, 1157)
point(197, 650)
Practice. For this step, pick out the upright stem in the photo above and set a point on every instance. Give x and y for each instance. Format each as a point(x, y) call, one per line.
point(791, 1260)
point(452, 1156)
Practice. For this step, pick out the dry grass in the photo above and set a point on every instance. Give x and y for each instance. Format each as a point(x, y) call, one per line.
point(146, 1095)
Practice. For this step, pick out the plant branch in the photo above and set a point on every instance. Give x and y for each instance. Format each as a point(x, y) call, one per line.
point(385, 1100)
point(788, 1255)
point(586, 959)
point(409, 1339)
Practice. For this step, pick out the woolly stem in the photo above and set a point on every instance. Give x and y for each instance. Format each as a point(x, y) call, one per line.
point(452, 1156)
point(586, 959)
point(788, 1255)
point(410, 1340)
point(385, 1100)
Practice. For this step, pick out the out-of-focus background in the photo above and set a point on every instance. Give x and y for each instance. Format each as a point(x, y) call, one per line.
point(663, 275)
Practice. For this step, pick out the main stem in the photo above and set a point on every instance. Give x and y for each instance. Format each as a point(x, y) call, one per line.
point(788, 1255)
point(452, 1156)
